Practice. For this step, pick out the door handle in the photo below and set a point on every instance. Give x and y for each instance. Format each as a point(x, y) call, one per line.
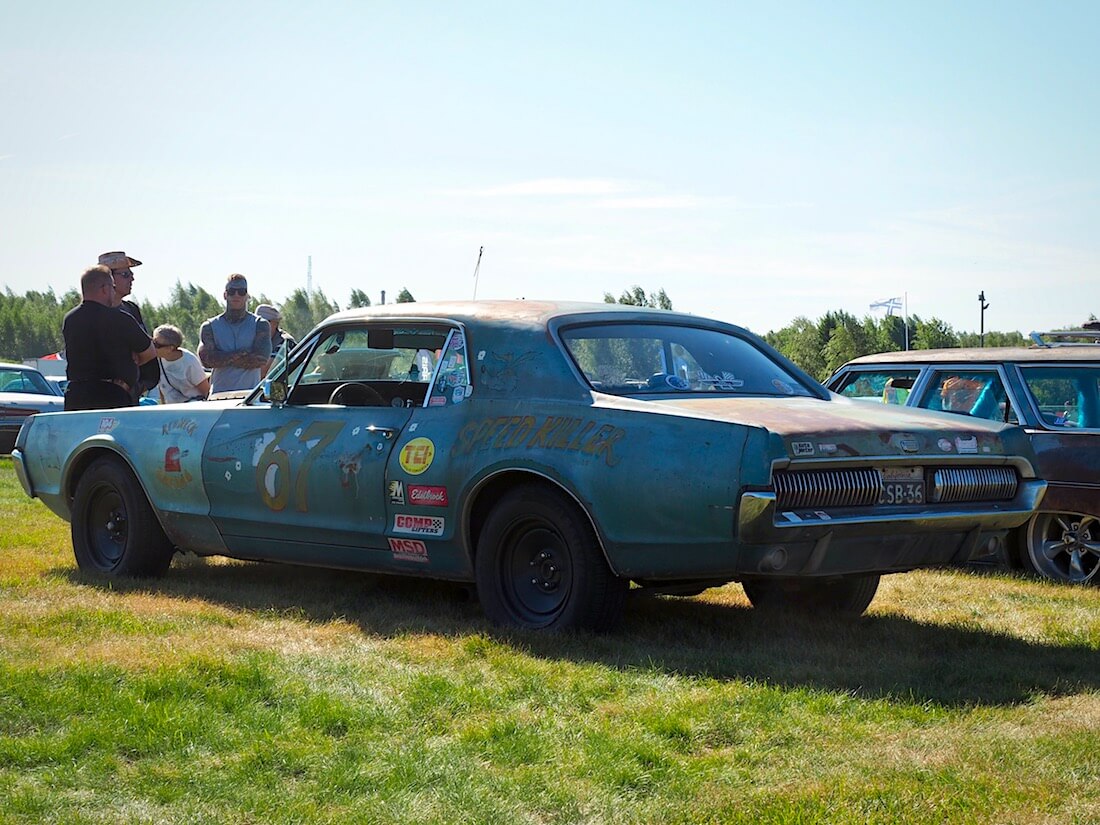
point(385, 432)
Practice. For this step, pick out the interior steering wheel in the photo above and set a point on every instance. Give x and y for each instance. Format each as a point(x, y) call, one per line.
point(355, 394)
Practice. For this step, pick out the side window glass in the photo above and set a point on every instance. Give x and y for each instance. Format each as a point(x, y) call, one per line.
point(452, 373)
point(976, 393)
point(1066, 396)
point(886, 386)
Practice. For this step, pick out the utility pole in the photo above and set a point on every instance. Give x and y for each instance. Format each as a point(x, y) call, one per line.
point(309, 278)
point(984, 306)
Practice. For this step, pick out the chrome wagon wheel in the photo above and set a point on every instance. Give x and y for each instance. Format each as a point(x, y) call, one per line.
point(1064, 547)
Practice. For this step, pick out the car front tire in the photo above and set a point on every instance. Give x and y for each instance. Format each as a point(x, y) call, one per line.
point(845, 595)
point(539, 566)
point(115, 531)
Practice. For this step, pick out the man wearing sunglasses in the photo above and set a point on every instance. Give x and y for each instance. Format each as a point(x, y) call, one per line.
point(235, 345)
point(122, 270)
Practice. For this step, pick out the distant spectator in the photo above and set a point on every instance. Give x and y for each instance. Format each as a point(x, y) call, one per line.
point(104, 347)
point(235, 345)
point(182, 377)
point(278, 336)
point(122, 270)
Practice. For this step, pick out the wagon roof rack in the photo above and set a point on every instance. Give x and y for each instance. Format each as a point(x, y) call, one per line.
point(1058, 338)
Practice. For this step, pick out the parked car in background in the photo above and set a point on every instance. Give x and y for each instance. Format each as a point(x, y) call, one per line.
point(551, 453)
point(24, 391)
point(1053, 390)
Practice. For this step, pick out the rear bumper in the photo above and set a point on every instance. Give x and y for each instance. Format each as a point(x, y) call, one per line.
point(846, 541)
point(21, 472)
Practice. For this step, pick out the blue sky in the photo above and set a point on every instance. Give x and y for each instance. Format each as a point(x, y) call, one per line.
point(757, 161)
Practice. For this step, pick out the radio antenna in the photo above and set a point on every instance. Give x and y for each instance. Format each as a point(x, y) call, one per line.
point(477, 269)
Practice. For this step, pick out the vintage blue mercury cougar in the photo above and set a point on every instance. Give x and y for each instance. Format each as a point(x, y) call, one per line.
point(551, 453)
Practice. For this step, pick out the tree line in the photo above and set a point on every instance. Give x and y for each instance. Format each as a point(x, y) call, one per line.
point(30, 324)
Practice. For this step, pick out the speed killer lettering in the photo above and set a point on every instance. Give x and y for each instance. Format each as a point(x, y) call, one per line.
point(555, 432)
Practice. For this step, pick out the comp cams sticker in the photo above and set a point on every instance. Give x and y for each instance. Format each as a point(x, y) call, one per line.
point(419, 525)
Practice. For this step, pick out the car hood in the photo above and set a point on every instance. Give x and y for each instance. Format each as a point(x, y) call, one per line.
point(815, 428)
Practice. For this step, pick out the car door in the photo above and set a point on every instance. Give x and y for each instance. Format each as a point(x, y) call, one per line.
point(312, 472)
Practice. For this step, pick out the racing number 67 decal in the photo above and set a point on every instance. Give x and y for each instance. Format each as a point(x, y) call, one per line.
point(273, 472)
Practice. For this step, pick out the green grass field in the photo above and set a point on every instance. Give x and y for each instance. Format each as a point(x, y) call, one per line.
point(245, 693)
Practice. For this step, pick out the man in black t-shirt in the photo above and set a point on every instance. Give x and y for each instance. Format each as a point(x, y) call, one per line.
point(104, 347)
point(122, 270)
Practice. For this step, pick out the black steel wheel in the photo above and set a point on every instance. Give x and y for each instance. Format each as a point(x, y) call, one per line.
point(540, 566)
point(1064, 547)
point(847, 595)
point(115, 531)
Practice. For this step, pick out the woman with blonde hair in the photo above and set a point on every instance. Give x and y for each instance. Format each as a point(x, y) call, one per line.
point(182, 377)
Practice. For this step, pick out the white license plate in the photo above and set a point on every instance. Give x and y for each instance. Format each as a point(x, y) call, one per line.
point(902, 485)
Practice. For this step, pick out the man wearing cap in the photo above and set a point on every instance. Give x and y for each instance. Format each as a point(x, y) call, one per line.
point(122, 270)
point(278, 336)
point(104, 347)
point(235, 345)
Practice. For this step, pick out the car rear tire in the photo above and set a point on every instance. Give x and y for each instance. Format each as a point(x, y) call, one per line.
point(539, 565)
point(115, 531)
point(1063, 547)
point(847, 595)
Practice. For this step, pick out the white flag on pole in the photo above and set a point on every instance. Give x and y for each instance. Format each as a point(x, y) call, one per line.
point(891, 305)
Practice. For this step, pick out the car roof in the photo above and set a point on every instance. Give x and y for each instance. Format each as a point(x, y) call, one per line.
point(519, 313)
point(983, 355)
point(10, 366)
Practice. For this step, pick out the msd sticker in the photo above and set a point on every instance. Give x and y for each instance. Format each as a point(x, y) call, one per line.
point(427, 496)
point(802, 447)
point(418, 525)
point(408, 550)
point(417, 455)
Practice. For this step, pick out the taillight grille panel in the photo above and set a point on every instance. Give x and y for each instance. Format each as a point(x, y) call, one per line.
point(862, 487)
point(954, 484)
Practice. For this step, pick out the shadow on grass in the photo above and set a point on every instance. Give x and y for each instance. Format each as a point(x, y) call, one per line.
point(886, 657)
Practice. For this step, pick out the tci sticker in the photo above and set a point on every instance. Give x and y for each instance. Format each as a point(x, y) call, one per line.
point(427, 496)
point(409, 550)
point(802, 447)
point(418, 525)
point(417, 455)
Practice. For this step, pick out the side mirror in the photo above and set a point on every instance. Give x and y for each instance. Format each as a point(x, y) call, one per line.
point(275, 390)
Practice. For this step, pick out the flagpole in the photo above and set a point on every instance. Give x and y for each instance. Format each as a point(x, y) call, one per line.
point(477, 269)
point(906, 321)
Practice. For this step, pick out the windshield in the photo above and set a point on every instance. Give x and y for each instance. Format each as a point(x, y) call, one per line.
point(639, 359)
point(25, 381)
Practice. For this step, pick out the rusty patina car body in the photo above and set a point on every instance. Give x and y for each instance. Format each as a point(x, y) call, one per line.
point(1053, 391)
point(551, 453)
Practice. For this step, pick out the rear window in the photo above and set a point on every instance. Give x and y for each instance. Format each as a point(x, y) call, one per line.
point(641, 359)
point(1065, 396)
